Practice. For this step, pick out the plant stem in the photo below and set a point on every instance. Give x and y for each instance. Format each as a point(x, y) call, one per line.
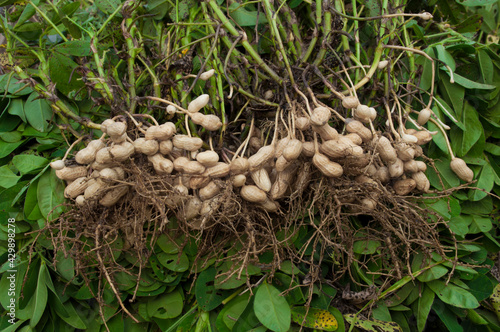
point(271, 17)
point(58, 106)
point(232, 30)
point(327, 28)
point(128, 29)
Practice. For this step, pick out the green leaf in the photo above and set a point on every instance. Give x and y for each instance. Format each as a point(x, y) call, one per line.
point(472, 23)
point(426, 77)
point(480, 225)
point(223, 282)
point(166, 306)
point(108, 6)
point(482, 207)
point(463, 140)
point(476, 318)
point(485, 181)
point(38, 112)
point(231, 312)
point(271, 308)
point(65, 13)
point(433, 273)
point(207, 296)
point(398, 297)
point(27, 163)
point(471, 3)
point(381, 312)
point(469, 84)
point(459, 225)
point(445, 56)
point(68, 80)
point(321, 299)
point(454, 295)
point(158, 8)
point(16, 107)
point(455, 95)
point(31, 202)
point(11, 136)
point(492, 148)
point(74, 47)
point(338, 316)
point(244, 17)
point(41, 295)
point(289, 268)
point(65, 266)
point(372, 325)
point(486, 66)
point(447, 110)
point(438, 138)
point(366, 247)
point(294, 3)
point(167, 245)
point(247, 320)
point(284, 283)
point(424, 306)
point(8, 122)
point(50, 194)
point(27, 13)
point(481, 287)
point(314, 318)
point(447, 316)
point(7, 177)
point(174, 262)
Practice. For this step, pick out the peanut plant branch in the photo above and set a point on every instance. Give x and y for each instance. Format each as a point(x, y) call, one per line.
point(232, 30)
point(57, 105)
point(271, 17)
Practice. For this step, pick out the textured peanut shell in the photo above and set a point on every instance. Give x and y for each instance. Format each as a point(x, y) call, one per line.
point(460, 168)
point(253, 194)
point(71, 173)
point(327, 167)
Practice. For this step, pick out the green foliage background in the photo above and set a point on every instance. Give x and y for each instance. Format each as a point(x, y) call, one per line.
point(72, 46)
